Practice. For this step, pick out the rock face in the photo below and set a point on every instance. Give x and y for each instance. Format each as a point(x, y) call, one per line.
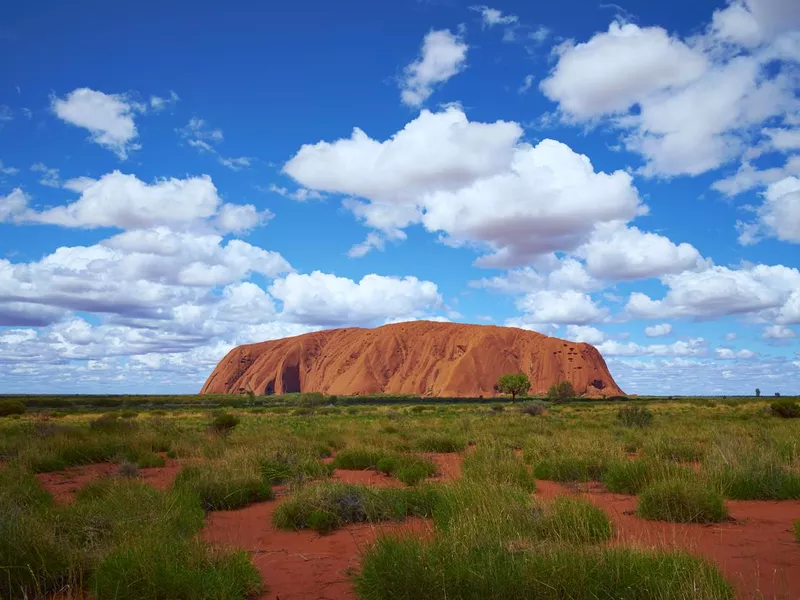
point(418, 357)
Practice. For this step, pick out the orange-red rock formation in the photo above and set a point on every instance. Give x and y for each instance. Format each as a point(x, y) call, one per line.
point(419, 357)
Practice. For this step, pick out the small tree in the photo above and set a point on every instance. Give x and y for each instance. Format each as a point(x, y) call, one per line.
point(514, 384)
point(758, 393)
point(777, 394)
point(561, 390)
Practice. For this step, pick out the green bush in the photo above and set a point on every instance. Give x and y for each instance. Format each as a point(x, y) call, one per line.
point(150, 460)
point(682, 501)
point(532, 409)
point(224, 423)
point(112, 424)
point(154, 568)
point(785, 409)
point(11, 407)
point(561, 391)
point(344, 503)
point(635, 416)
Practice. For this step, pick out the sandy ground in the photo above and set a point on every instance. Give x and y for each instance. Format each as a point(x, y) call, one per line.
point(756, 549)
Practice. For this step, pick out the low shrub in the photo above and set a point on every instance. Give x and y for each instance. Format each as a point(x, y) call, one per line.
point(570, 468)
point(128, 469)
point(112, 424)
point(329, 506)
point(682, 501)
point(786, 409)
point(11, 407)
point(635, 416)
point(224, 423)
point(532, 409)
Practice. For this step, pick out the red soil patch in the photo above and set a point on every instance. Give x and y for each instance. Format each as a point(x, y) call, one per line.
point(64, 484)
point(449, 466)
point(299, 565)
point(756, 550)
point(369, 477)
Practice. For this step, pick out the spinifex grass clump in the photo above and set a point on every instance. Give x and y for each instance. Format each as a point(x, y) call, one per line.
point(440, 442)
point(35, 557)
point(682, 501)
point(407, 468)
point(407, 567)
point(669, 446)
point(578, 459)
point(497, 542)
point(495, 464)
point(327, 506)
point(743, 470)
point(226, 484)
point(358, 459)
point(152, 568)
point(281, 467)
point(224, 423)
point(626, 476)
point(635, 416)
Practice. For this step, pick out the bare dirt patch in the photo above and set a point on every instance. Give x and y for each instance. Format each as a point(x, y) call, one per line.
point(64, 484)
point(299, 565)
point(755, 550)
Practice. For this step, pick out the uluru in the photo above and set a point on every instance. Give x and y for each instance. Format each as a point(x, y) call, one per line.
point(423, 358)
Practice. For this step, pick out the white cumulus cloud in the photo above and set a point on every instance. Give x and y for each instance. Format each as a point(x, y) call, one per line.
point(443, 56)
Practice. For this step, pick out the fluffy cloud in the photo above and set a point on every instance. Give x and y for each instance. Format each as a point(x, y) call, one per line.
point(108, 117)
point(142, 273)
point(473, 183)
point(125, 202)
point(752, 22)
point(658, 330)
point(585, 333)
point(8, 170)
point(619, 68)
point(691, 347)
point(687, 106)
point(158, 103)
point(728, 354)
point(771, 292)
point(748, 177)
point(617, 252)
point(778, 216)
point(564, 307)
point(325, 299)
point(13, 204)
point(778, 332)
point(443, 55)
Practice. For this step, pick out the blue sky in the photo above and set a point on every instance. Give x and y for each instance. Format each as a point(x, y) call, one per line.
point(177, 179)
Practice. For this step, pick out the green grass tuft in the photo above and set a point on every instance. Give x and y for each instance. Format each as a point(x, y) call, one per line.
point(328, 506)
point(496, 464)
point(682, 501)
point(224, 485)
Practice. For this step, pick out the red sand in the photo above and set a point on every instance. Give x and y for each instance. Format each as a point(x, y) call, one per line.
point(298, 565)
point(63, 484)
point(756, 550)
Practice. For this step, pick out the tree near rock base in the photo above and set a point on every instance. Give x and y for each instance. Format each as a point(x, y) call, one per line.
point(516, 384)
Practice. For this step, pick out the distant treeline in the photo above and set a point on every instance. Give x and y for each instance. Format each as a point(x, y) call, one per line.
point(66, 402)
